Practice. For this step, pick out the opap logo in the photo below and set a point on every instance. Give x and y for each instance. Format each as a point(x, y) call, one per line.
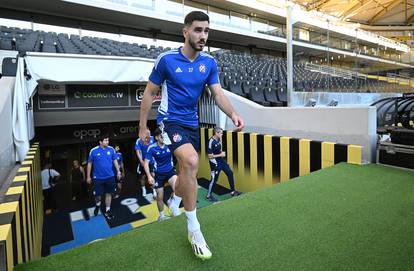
point(86, 133)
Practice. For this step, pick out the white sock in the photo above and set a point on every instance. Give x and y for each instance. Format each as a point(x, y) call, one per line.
point(162, 214)
point(107, 208)
point(192, 222)
point(154, 192)
point(144, 191)
point(176, 200)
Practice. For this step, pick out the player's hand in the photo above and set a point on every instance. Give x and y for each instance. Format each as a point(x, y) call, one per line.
point(151, 180)
point(119, 175)
point(223, 154)
point(89, 180)
point(143, 131)
point(237, 121)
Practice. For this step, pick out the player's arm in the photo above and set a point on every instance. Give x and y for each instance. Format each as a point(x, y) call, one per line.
point(149, 93)
point(88, 172)
point(82, 173)
point(147, 171)
point(140, 158)
point(224, 104)
point(210, 153)
point(116, 165)
point(57, 174)
point(122, 168)
point(212, 156)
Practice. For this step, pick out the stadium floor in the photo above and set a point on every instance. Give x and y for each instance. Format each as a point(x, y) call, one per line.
point(342, 218)
point(74, 223)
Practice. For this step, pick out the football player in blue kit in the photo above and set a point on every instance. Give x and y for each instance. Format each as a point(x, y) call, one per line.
point(183, 74)
point(218, 163)
point(141, 147)
point(164, 172)
point(102, 158)
point(120, 160)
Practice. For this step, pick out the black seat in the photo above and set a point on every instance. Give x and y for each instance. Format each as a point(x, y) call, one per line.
point(257, 95)
point(282, 94)
point(227, 80)
point(246, 86)
point(271, 96)
point(221, 79)
point(9, 66)
point(235, 87)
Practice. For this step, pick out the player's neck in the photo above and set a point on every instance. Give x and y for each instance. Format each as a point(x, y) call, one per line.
point(189, 52)
point(160, 144)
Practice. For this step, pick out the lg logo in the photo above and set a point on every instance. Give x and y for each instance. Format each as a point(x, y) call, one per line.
point(86, 133)
point(49, 86)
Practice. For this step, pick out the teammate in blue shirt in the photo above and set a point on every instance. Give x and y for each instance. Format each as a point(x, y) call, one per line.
point(218, 163)
point(164, 172)
point(102, 158)
point(183, 74)
point(120, 160)
point(141, 147)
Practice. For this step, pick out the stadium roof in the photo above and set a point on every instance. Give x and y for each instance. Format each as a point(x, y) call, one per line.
point(370, 12)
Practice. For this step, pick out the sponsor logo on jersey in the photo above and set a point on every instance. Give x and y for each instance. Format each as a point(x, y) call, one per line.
point(202, 68)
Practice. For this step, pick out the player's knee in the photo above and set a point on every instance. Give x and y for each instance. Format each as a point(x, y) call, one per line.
point(191, 162)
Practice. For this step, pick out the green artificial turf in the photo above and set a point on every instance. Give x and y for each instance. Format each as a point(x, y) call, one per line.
point(342, 218)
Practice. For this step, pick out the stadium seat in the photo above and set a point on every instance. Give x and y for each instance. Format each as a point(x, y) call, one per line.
point(257, 95)
point(271, 96)
point(235, 87)
point(9, 66)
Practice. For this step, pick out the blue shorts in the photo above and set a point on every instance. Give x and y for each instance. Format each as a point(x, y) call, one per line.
point(104, 186)
point(180, 135)
point(140, 169)
point(162, 177)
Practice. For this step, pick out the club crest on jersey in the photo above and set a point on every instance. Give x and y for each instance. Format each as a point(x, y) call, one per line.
point(202, 68)
point(177, 137)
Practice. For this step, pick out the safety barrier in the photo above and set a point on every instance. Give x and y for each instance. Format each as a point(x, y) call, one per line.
point(262, 160)
point(21, 214)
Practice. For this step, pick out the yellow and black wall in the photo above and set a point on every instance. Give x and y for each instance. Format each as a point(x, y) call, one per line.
point(21, 214)
point(262, 160)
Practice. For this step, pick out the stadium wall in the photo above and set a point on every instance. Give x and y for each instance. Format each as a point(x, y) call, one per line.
point(7, 156)
point(355, 125)
point(259, 160)
point(21, 214)
point(348, 99)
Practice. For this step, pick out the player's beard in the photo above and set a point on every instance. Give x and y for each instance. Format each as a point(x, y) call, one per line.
point(195, 45)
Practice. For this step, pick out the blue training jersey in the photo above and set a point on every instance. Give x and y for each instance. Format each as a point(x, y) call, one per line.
point(102, 162)
point(139, 145)
point(182, 83)
point(163, 161)
point(214, 147)
point(120, 159)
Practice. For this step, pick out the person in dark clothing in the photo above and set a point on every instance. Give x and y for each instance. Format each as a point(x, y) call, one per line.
point(77, 178)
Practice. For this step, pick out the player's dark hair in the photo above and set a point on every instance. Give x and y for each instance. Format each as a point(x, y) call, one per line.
point(102, 137)
point(217, 129)
point(195, 16)
point(157, 132)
